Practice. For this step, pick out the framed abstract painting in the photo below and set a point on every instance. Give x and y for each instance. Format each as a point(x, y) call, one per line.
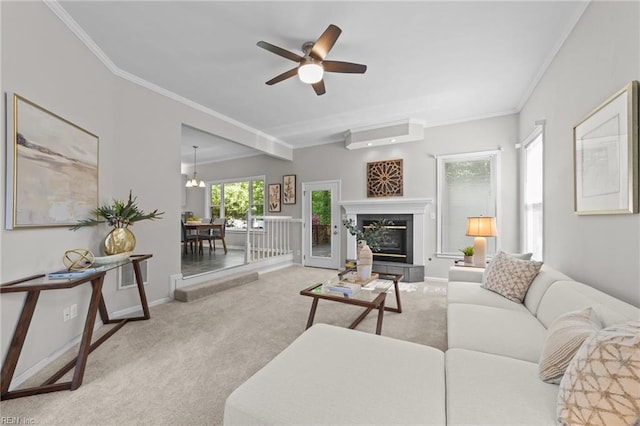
point(605, 156)
point(52, 168)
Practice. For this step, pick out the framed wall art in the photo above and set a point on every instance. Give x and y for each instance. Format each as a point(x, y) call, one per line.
point(289, 189)
point(605, 156)
point(52, 168)
point(384, 178)
point(274, 198)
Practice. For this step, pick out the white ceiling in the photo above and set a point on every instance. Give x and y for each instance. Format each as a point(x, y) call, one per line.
point(435, 62)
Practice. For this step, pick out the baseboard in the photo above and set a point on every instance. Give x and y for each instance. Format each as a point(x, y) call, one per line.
point(436, 279)
point(36, 368)
point(269, 264)
point(32, 371)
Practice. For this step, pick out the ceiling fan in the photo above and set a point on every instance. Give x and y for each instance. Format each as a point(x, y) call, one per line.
point(312, 66)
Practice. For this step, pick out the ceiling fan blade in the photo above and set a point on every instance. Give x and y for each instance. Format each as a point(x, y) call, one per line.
point(325, 42)
point(280, 51)
point(319, 88)
point(285, 75)
point(348, 67)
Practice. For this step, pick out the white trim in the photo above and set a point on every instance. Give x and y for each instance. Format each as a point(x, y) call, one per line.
point(552, 54)
point(336, 222)
point(538, 131)
point(414, 206)
point(496, 174)
point(207, 194)
point(36, 368)
point(62, 14)
point(262, 266)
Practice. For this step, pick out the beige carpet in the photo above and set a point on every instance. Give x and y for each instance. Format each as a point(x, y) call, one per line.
point(179, 367)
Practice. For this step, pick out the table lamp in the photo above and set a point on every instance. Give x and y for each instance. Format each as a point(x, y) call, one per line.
point(480, 227)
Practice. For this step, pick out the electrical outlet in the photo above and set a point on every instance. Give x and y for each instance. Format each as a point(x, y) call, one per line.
point(433, 216)
point(65, 314)
point(74, 311)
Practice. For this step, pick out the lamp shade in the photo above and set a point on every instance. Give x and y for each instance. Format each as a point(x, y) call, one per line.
point(481, 226)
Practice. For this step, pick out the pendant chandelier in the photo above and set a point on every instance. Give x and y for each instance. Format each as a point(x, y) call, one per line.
point(193, 183)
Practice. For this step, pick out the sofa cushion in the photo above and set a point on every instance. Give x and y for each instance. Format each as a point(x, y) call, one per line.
point(539, 286)
point(516, 334)
point(332, 375)
point(565, 336)
point(466, 274)
point(509, 276)
point(602, 384)
point(486, 389)
point(567, 296)
point(473, 293)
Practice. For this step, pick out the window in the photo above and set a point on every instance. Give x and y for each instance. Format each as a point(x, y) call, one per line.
point(232, 200)
point(468, 185)
point(532, 194)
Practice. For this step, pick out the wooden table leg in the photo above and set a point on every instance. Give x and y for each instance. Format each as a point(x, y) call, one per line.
point(380, 317)
point(17, 342)
point(398, 307)
point(85, 342)
point(141, 292)
point(312, 313)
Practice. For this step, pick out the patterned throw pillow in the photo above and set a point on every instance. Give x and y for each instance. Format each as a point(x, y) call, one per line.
point(510, 277)
point(564, 337)
point(602, 383)
point(523, 256)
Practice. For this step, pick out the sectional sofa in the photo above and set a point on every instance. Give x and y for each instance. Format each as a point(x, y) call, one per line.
point(489, 374)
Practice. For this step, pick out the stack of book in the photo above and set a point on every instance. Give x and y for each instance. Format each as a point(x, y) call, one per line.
point(348, 289)
point(65, 273)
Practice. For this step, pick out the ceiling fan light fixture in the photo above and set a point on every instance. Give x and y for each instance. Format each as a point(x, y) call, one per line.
point(310, 72)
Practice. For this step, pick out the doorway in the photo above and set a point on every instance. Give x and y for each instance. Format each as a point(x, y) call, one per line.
point(321, 230)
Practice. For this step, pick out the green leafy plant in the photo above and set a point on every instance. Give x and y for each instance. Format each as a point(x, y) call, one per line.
point(120, 214)
point(373, 234)
point(467, 251)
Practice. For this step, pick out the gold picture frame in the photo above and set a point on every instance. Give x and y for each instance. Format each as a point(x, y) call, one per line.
point(52, 168)
point(605, 156)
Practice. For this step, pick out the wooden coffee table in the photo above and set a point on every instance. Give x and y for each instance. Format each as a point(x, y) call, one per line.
point(369, 299)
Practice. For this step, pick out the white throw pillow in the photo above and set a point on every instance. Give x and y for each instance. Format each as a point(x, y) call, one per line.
point(602, 383)
point(509, 276)
point(565, 336)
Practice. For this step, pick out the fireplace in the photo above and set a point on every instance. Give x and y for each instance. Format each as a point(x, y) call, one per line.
point(411, 210)
point(398, 244)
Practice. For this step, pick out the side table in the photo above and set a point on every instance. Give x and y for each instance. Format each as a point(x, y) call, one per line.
point(33, 285)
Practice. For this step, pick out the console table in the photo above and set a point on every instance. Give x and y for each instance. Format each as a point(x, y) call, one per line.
point(33, 285)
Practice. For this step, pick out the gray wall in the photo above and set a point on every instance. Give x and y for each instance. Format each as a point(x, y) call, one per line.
point(139, 149)
point(600, 57)
point(335, 162)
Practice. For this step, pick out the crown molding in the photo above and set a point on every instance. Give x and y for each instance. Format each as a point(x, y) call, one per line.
point(552, 55)
point(62, 14)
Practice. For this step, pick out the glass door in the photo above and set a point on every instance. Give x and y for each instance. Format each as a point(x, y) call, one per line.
point(321, 224)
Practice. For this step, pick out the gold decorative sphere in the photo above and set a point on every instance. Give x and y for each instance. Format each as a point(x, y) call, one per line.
point(78, 259)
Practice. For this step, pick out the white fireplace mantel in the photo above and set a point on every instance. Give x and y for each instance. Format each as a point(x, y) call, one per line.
point(415, 206)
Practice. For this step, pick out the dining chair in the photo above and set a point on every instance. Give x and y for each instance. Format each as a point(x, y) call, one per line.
point(188, 238)
point(216, 234)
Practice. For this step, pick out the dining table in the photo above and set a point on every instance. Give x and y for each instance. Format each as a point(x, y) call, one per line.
point(201, 226)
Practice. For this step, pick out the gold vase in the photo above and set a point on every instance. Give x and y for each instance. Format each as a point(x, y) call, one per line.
point(119, 240)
